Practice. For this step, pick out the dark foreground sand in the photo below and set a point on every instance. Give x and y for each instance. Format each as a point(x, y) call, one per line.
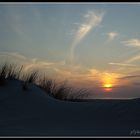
point(33, 113)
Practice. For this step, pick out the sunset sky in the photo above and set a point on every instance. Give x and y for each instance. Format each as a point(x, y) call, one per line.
point(95, 46)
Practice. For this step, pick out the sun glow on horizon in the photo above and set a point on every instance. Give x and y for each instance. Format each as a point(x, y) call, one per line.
point(108, 81)
point(107, 85)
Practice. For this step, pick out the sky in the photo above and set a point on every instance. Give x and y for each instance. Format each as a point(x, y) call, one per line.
point(94, 46)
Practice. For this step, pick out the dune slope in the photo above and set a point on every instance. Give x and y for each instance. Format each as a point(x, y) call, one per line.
point(34, 113)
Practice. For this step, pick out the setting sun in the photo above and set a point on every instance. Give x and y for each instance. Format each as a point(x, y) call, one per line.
point(108, 81)
point(107, 85)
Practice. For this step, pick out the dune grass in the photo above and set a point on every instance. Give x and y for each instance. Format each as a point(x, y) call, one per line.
point(29, 78)
point(58, 90)
point(10, 71)
point(48, 85)
point(61, 90)
point(3, 72)
point(14, 72)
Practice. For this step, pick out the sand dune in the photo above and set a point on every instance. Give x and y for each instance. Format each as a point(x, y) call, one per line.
point(34, 113)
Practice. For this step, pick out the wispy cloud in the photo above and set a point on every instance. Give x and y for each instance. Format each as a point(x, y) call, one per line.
point(30, 63)
point(136, 83)
point(42, 64)
point(123, 64)
point(134, 58)
point(92, 19)
point(130, 76)
point(112, 35)
point(132, 42)
point(135, 43)
point(13, 54)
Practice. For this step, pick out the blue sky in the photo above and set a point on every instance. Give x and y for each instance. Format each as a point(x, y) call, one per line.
point(83, 43)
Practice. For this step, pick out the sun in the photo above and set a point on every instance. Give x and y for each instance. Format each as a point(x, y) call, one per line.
point(108, 85)
point(108, 81)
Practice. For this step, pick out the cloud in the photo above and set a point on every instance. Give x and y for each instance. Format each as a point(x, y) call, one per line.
point(76, 23)
point(129, 61)
point(130, 76)
point(41, 64)
point(112, 35)
point(136, 83)
point(13, 54)
point(92, 19)
point(122, 64)
point(30, 63)
point(93, 71)
point(132, 42)
point(132, 59)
